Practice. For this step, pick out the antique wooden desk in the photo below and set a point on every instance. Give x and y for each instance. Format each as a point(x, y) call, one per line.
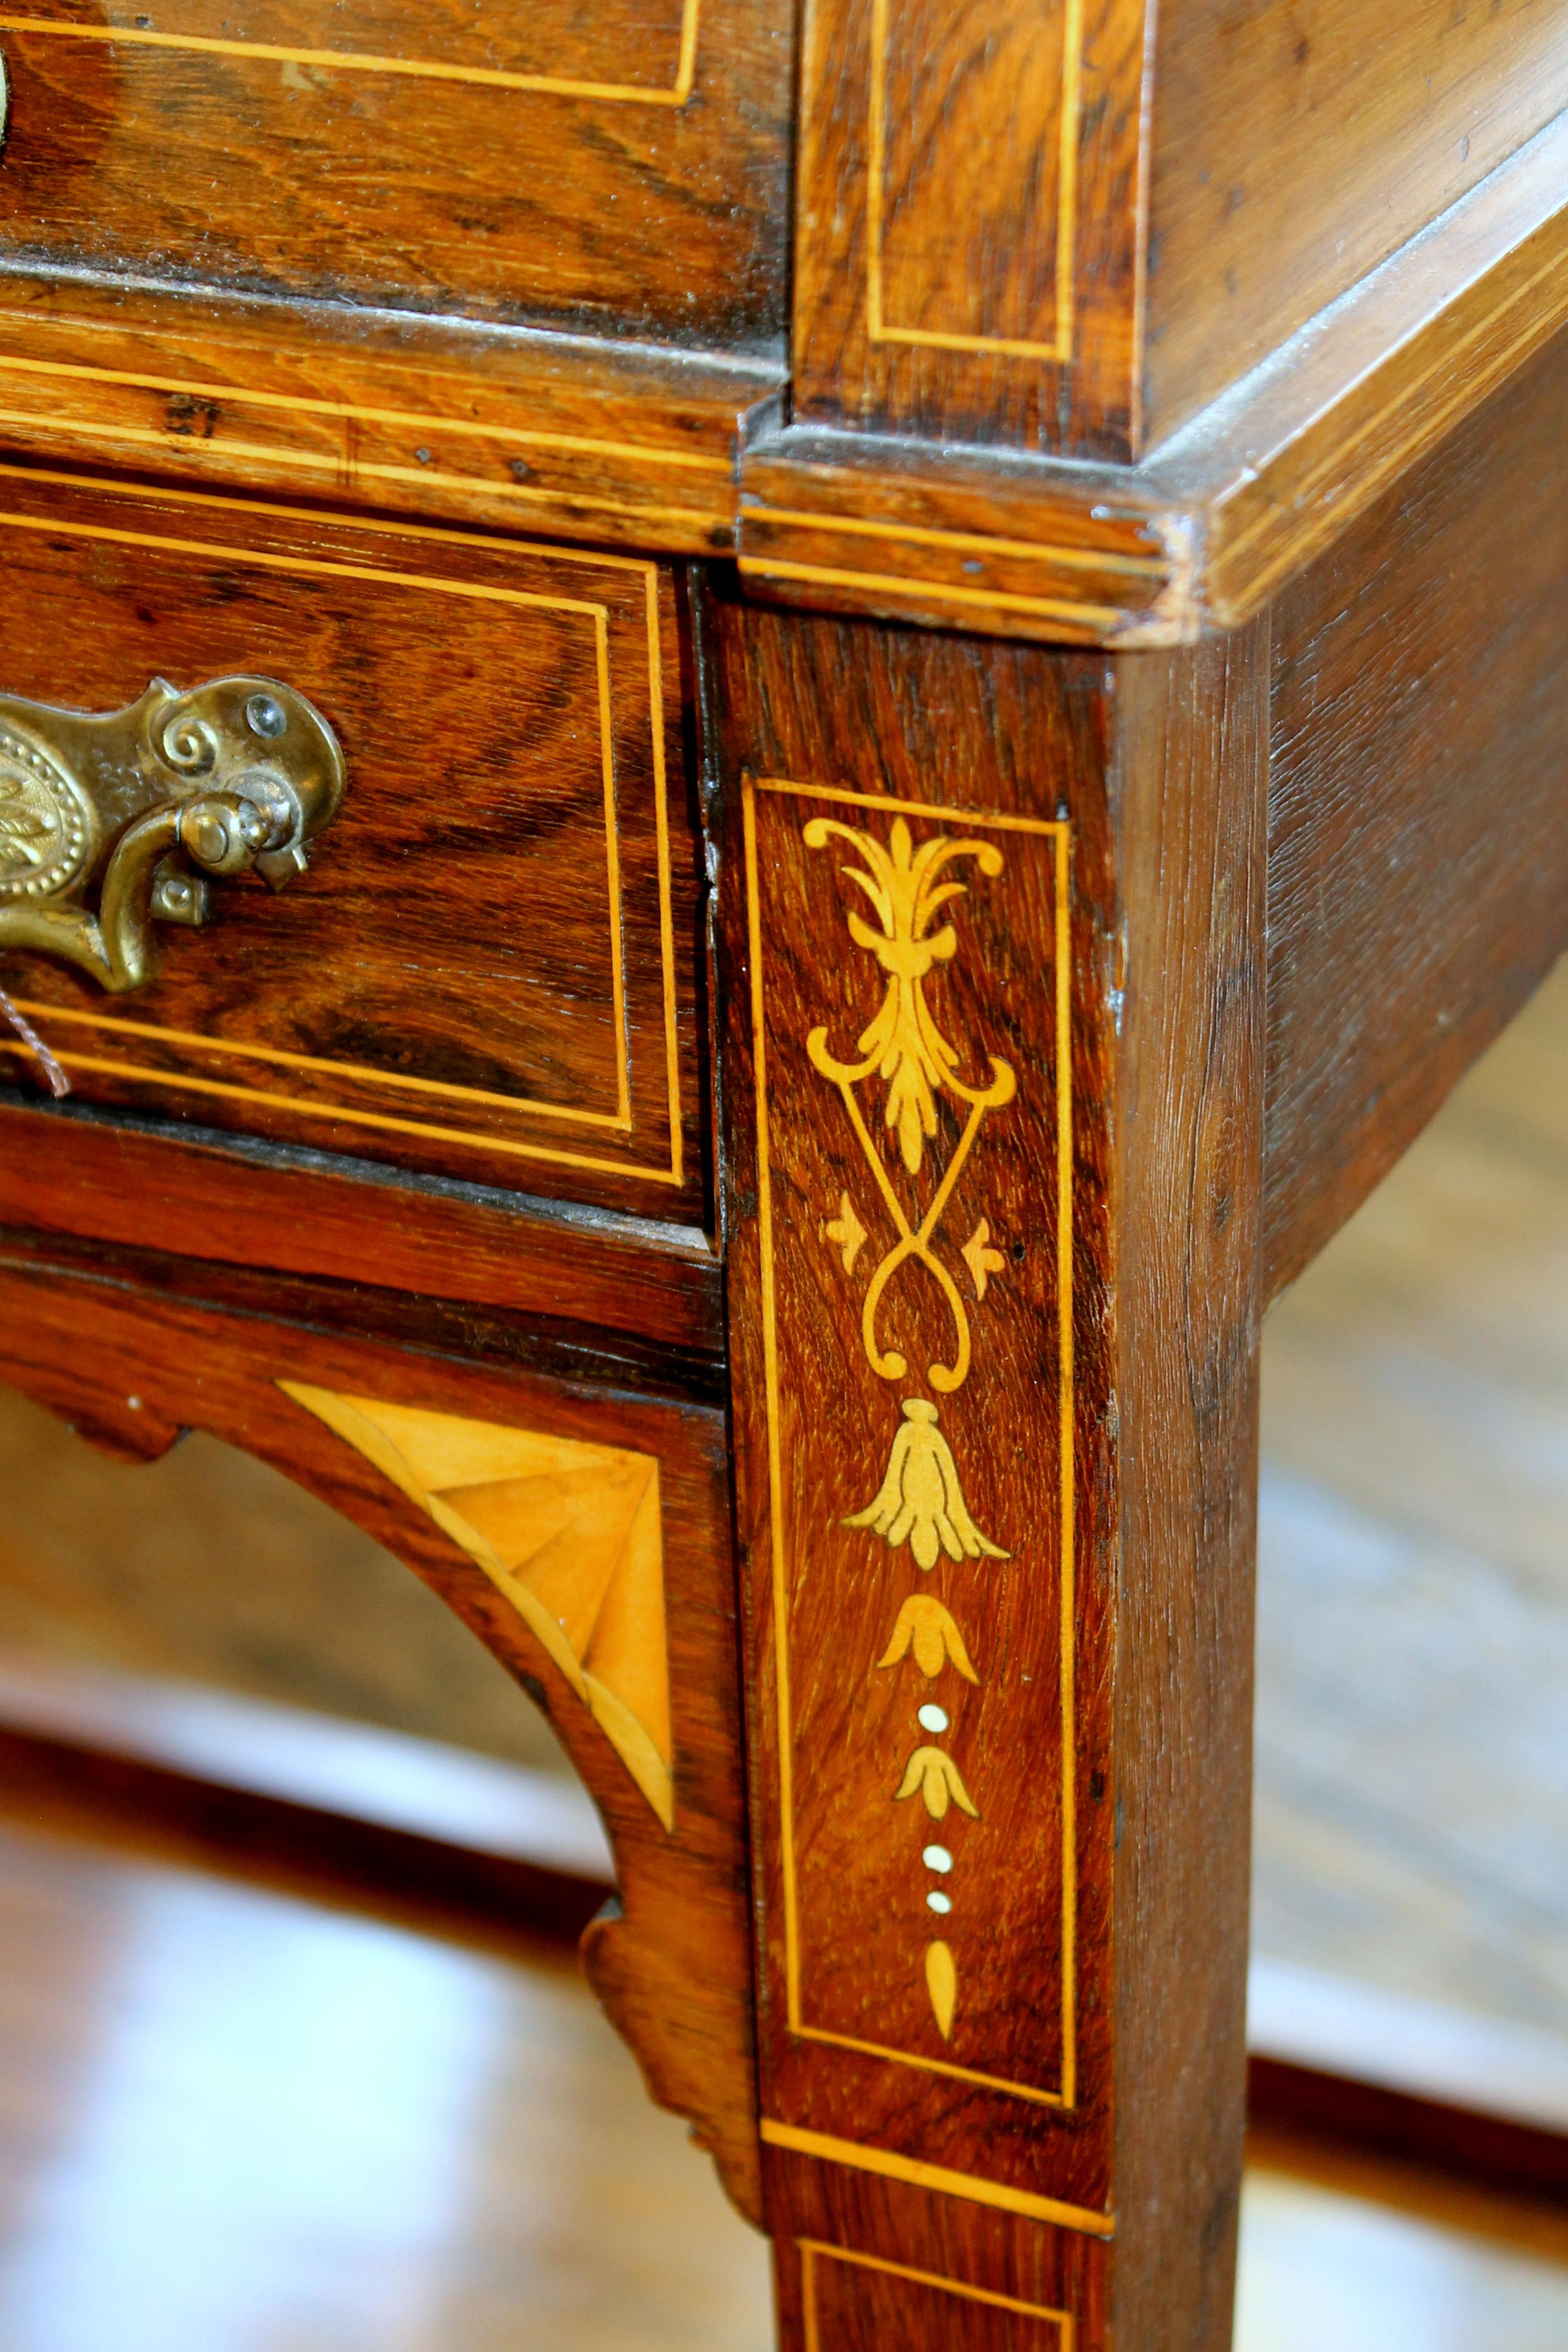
point(910, 672)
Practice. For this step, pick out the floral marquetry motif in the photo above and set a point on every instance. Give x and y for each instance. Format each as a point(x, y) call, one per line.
point(920, 1502)
point(903, 1048)
point(920, 1723)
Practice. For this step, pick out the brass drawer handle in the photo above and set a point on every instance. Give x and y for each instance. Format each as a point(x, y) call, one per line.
point(144, 803)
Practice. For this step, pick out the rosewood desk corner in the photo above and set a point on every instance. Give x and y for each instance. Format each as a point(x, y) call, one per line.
point(749, 759)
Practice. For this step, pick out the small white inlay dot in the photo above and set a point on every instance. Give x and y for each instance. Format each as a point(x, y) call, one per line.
point(937, 1901)
point(937, 1857)
point(933, 1718)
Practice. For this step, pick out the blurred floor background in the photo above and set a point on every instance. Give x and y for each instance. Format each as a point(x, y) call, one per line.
point(236, 2117)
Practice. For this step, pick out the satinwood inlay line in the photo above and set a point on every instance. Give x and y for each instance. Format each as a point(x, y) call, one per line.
point(620, 1120)
point(419, 70)
point(1058, 349)
point(813, 2250)
point(967, 2185)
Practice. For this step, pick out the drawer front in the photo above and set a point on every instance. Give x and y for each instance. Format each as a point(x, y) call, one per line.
point(488, 969)
point(619, 167)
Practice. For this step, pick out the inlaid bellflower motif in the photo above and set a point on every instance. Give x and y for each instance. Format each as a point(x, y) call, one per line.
point(920, 1501)
point(940, 1783)
point(927, 1628)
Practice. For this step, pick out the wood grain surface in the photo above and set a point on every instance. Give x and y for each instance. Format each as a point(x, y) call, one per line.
point(1190, 814)
point(565, 435)
point(1295, 144)
point(196, 1194)
point(671, 1962)
point(1157, 772)
point(488, 973)
point(966, 242)
point(285, 172)
point(1419, 854)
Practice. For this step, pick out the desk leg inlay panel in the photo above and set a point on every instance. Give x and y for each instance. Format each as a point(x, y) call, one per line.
point(925, 1633)
point(991, 927)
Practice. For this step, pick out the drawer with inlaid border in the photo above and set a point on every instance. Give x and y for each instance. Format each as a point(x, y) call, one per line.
point(619, 167)
point(468, 754)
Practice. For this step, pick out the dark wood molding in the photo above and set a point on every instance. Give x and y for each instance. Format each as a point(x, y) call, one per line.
point(695, 453)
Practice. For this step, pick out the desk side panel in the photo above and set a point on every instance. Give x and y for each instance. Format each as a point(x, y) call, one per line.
point(1418, 828)
point(1297, 143)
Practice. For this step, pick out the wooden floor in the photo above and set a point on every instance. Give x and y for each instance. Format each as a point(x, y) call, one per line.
point(232, 2120)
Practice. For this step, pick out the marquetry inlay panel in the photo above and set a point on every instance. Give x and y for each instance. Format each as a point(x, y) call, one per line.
point(927, 1640)
point(569, 1533)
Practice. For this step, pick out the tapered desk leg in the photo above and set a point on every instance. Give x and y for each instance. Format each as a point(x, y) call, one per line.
point(990, 977)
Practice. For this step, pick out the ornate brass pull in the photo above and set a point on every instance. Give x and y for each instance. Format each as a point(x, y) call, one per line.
point(144, 804)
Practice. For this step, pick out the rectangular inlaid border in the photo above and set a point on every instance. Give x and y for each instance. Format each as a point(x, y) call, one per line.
point(551, 85)
point(1059, 833)
point(1060, 350)
point(525, 1105)
point(813, 2250)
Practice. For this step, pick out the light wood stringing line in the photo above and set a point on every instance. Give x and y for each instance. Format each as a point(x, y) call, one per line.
point(550, 85)
point(322, 461)
point(912, 589)
point(192, 1039)
point(966, 2185)
point(1055, 830)
point(1066, 559)
point(303, 404)
point(362, 526)
point(1465, 387)
point(1066, 1390)
point(598, 615)
point(336, 1113)
point(934, 2066)
point(1060, 350)
point(812, 2249)
point(666, 912)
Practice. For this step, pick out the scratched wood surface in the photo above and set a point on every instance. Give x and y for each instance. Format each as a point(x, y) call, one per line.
point(645, 198)
point(1293, 147)
point(563, 434)
point(488, 973)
